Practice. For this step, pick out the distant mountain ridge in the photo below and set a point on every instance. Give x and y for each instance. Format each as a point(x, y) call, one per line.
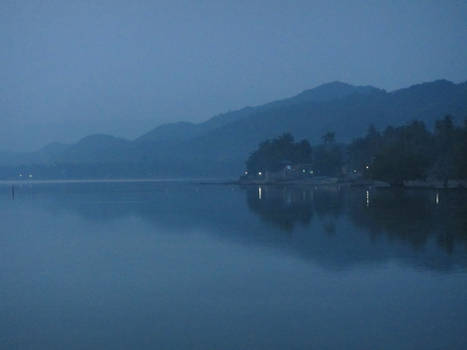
point(220, 145)
point(323, 93)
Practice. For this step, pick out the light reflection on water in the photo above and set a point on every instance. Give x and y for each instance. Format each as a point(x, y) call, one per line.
point(172, 266)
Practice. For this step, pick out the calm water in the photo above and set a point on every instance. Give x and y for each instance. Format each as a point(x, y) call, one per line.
point(184, 266)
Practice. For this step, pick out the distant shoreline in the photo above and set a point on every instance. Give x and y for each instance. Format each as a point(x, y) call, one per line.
point(432, 184)
point(323, 182)
point(73, 181)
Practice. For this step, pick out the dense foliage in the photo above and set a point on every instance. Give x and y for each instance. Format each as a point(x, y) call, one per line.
point(328, 158)
point(273, 155)
point(395, 155)
point(412, 152)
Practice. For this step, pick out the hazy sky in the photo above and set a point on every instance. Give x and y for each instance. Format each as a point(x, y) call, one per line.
point(72, 68)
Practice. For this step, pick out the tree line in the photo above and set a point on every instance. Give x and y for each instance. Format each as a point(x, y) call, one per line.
point(393, 155)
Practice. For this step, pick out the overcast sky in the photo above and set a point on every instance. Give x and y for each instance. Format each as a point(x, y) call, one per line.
point(73, 68)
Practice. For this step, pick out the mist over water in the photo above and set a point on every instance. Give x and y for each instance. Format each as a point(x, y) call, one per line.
point(133, 139)
point(180, 265)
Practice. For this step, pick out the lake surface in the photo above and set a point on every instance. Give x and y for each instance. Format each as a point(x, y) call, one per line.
point(187, 266)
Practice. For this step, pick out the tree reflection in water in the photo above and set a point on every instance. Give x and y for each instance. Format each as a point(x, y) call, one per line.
point(413, 216)
point(337, 227)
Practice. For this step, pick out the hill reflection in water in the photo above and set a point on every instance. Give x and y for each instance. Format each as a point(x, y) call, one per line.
point(186, 266)
point(334, 227)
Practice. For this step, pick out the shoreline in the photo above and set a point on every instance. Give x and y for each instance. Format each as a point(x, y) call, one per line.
point(321, 182)
point(78, 181)
point(417, 184)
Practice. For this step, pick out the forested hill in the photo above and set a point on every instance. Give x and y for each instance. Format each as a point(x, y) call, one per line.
point(219, 146)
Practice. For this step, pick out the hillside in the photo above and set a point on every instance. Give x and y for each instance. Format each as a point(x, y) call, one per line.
point(220, 145)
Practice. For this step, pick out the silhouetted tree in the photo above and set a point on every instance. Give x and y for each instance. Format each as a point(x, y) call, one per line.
point(271, 155)
point(397, 154)
point(329, 137)
point(462, 156)
point(404, 154)
point(446, 149)
point(328, 158)
point(361, 151)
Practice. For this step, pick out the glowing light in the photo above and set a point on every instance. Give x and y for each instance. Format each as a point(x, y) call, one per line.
point(367, 167)
point(20, 175)
point(367, 198)
point(303, 171)
point(437, 198)
point(260, 192)
point(260, 173)
point(354, 171)
point(30, 175)
point(311, 172)
point(246, 173)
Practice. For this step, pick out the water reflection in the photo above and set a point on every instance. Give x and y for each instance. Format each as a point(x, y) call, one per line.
point(393, 220)
point(184, 266)
point(411, 216)
point(332, 226)
point(281, 206)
